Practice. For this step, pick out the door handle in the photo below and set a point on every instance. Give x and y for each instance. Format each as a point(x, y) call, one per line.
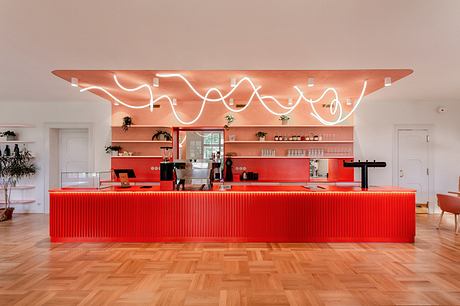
point(401, 173)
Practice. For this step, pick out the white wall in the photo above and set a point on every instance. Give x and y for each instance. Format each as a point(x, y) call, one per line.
point(43, 114)
point(375, 124)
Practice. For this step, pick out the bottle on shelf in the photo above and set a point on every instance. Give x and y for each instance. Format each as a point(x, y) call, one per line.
point(7, 151)
point(16, 150)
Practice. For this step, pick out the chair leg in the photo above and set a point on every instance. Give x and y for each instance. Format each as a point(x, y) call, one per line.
point(456, 225)
point(440, 219)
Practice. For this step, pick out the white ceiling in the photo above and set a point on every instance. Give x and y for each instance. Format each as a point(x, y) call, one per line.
point(37, 37)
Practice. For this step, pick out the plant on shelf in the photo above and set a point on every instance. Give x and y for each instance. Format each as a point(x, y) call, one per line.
point(114, 150)
point(261, 135)
point(127, 122)
point(162, 135)
point(284, 119)
point(10, 135)
point(229, 119)
point(12, 170)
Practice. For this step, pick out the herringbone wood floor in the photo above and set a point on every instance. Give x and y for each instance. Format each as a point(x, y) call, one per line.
point(35, 272)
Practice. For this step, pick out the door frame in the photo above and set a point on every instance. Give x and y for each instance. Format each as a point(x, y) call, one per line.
point(432, 206)
point(48, 126)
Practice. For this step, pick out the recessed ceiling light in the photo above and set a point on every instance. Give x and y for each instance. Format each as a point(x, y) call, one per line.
point(116, 103)
point(232, 101)
point(311, 82)
point(387, 81)
point(156, 82)
point(74, 82)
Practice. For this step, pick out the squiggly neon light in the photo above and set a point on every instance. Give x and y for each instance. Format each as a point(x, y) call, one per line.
point(335, 109)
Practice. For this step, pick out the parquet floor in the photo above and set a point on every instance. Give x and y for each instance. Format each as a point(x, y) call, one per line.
point(35, 272)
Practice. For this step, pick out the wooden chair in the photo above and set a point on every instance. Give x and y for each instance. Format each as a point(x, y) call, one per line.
point(451, 204)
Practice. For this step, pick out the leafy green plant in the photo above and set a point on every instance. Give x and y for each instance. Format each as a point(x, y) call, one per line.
point(127, 122)
point(229, 119)
point(166, 135)
point(8, 133)
point(261, 134)
point(110, 149)
point(284, 118)
point(12, 170)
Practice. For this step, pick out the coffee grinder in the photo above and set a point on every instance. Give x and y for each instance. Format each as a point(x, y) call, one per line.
point(166, 169)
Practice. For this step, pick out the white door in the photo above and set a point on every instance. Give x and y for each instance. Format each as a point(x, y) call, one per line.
point(73, 150)
point(413, 165)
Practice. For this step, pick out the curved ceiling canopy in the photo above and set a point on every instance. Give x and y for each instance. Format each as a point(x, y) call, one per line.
point(279, 91)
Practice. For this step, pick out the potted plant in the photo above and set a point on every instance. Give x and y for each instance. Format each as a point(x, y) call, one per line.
point(284, 119)
point(12, 169)
point(162, 135)
point(127, 122)
point(114, 150)
point(10, 135)
point(261, 135)
point(229, 119)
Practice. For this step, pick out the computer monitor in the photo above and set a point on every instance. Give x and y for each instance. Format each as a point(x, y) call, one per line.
point(130, 172)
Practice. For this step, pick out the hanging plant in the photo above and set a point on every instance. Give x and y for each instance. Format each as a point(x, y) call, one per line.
point(127, 122)
point(229, 119)
point(284, 119)
point(162, 134)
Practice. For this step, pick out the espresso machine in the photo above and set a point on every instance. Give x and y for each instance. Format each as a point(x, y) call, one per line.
point(194, 174)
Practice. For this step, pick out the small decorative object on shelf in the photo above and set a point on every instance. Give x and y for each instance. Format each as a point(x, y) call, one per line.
point(162, 135)
point(127, 122)
point(7, 151)
point(261, 135)
point(13, 169)
point(229, 119)
point(284, 119)
point(10, 135)
point(16, 150)
point(113, 150)
point(232, 137)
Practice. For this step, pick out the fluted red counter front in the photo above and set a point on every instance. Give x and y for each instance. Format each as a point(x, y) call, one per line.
point(265, 214)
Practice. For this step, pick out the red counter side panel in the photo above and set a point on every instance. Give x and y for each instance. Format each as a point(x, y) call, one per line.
point(233, 216)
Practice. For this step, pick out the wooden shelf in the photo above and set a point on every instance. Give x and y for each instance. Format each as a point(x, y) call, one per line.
point(15, 141)
point(16, 126)
point(23, 187)
point(288, 141)
point(139, 156)
point(290, 126)
point(141, 141)
point(287, 157)
point(13, 202)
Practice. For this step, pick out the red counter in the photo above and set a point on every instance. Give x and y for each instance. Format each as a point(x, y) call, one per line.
point(246, 213)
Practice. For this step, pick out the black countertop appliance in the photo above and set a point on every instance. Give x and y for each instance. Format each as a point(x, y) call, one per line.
point(364, 165)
